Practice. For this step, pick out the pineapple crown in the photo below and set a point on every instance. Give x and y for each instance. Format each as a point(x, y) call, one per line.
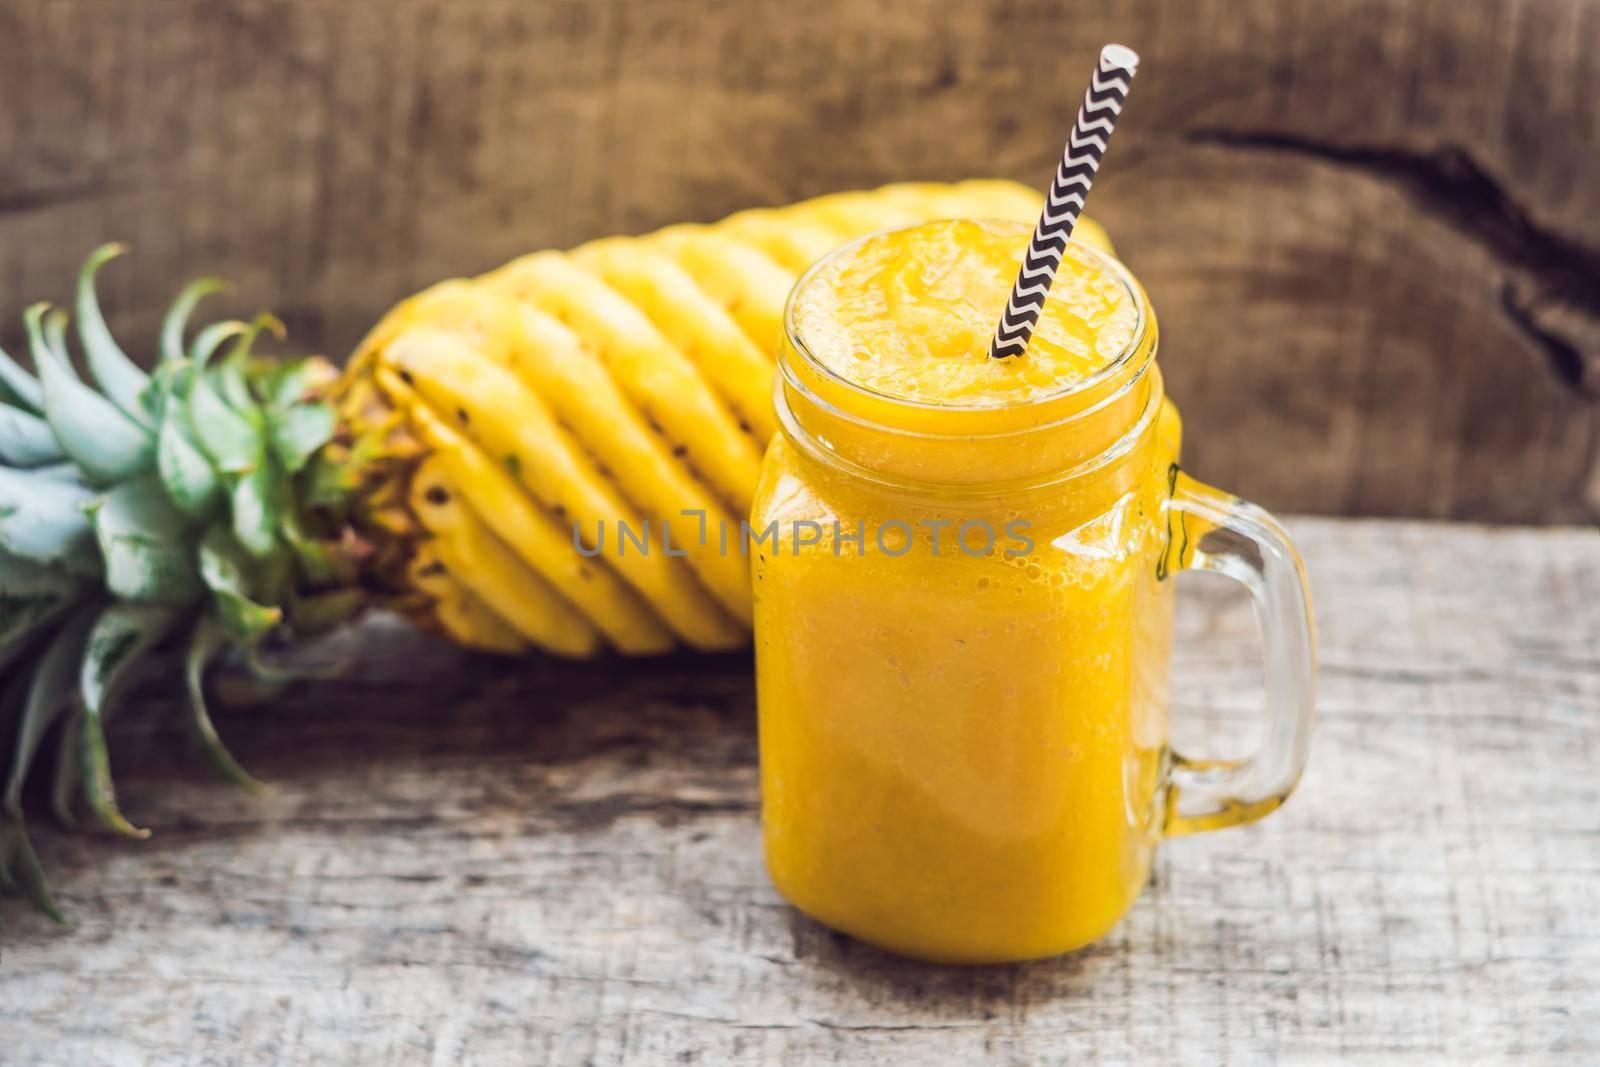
point(204, 501)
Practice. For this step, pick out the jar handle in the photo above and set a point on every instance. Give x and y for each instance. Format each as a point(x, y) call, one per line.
point(1210, 530)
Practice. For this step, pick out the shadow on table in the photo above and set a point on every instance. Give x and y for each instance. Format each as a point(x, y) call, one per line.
point(396, 693)
point(883, 980)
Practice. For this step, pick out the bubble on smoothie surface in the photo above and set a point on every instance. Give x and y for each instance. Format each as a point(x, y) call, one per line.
point(910, 314)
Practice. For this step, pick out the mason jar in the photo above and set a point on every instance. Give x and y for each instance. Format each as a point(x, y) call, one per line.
point(963, 627)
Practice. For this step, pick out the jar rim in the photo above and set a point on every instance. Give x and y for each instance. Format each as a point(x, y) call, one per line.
point(1138, 341)
point(1120, 446)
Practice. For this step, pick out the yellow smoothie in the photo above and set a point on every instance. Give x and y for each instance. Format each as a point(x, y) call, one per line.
point(962, 630)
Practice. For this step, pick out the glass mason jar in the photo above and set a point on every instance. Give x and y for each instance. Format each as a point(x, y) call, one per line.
point(963, 624)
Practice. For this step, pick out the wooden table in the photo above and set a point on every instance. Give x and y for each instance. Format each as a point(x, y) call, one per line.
point(477, 862)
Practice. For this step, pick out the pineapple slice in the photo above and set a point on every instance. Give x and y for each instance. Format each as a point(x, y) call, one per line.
point(793, 241)
point(486, 354)
point(544, 544)
point(494, 573)
point(456, 610)
point(746, 281)
point(665, 386)
point(700, 327)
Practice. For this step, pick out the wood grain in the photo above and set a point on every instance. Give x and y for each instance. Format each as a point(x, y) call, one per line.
point(1370, 227)
point(489, 863)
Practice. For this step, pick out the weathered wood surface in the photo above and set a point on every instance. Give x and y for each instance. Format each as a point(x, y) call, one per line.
point(1371, 227)
point(484, 863)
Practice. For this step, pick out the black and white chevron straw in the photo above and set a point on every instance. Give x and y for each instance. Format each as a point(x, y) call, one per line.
point(1085, 147)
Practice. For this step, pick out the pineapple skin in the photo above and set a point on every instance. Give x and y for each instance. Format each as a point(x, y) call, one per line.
point(620, 386)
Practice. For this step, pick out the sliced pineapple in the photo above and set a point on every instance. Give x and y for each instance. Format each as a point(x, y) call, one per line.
point(665, 386)
point(749, 285)
point(633, 476)
point(494, 573)
point(456, 610)
point(859, 213)
point(547, 546)
point(794, 242)
point(701, 328)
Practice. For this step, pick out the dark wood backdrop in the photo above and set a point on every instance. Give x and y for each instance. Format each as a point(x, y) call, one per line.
point(1371, 227)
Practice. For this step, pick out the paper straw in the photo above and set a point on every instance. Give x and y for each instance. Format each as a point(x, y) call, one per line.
point(1085, 147)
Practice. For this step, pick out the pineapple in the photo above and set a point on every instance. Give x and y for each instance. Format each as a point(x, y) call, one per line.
point(628, 382)
point(473, 468)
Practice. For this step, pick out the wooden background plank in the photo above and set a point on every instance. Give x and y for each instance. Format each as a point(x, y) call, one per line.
point(1370, 227)
point(567, 869)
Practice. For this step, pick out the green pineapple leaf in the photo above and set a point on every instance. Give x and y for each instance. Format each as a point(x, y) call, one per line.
point(42, 520)
point(106, 443)
point(258, 508)
point(232, 377)
point(146, 543)
point(289, 383)
point(19, 387)
point(231, 440)
point(210, 637)
point(323, 562)
point(228, 572)
point(190, 480)
point(64, 785)
point(208, 340)
point(21, 865)
point(176, 321)
point(26, 440)
point(298, 433)
point(48, 694)
point(122, 382)
point(31, 598)
point(122, 634)
point(142, 506)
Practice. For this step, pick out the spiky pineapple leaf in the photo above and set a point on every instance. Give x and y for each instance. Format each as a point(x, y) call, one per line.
point(68, 773)
point(21, 621)
point(122, 382)
point(118, 640)
point(26, 440)
point(107, 444)
point(289, 383)
point(208, 340)
point(19, 865)
point(209, 638)
point(232, 440)
point(42, 520)
point(190, 479)
point(19, 387)
point(146, 542)
point(176, 321)
point(22, 867)
point(31, 598)
point(228, 572)
point(24, 578)
point(109, 487)
point(259, 504)
point(228, 378)
point(66, 471)
point(232, 376)
point(298, 433)
point(48, 693)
